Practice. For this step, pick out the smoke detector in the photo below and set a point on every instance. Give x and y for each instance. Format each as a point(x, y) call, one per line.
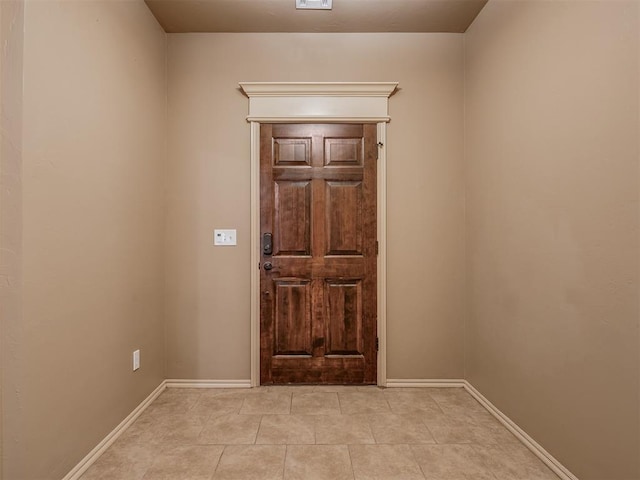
point(314, 4)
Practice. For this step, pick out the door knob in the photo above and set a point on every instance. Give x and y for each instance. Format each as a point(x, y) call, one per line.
point(268, 266)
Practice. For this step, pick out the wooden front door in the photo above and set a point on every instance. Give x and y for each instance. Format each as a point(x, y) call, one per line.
point(318, 261)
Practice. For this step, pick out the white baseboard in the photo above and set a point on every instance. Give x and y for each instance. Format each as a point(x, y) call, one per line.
point(419, 382)
point(537, 449)
point(179, 383)
point(94, 454)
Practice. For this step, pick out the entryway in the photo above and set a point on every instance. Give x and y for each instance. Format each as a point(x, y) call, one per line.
point(320, 103)
point(318, 259)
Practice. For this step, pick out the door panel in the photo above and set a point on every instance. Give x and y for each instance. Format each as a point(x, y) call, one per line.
point(344, 317)
point(289, 152)
point(343, 152)
point(292, 203)
point(318, 304)
point(293, 317)
point(344, 218)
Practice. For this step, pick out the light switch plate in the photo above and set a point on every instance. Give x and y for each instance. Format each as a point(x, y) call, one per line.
point(314, 4)
point(224, 237)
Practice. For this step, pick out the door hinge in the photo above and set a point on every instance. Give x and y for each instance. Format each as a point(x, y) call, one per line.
point(377, 344)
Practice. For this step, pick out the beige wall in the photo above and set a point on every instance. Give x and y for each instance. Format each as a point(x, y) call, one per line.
point(94, 122)
point(552, 207)
point(95, 227)
point(11, 38)
point(207, 294)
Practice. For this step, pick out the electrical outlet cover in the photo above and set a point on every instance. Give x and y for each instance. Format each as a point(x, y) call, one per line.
point(136, 360)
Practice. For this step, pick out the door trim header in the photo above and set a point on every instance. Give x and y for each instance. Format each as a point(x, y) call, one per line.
point(305, 102)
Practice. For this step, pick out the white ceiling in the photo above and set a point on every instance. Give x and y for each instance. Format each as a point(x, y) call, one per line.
point(180, 16)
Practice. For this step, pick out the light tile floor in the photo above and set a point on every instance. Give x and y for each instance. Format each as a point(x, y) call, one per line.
point(317, 432)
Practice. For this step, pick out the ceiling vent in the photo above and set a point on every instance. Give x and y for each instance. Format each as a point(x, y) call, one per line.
point(314, 4)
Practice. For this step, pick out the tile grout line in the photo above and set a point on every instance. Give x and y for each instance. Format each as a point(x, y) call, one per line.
point(413, 455)
point(224, 449)
point(284, 463)
point(353, 470)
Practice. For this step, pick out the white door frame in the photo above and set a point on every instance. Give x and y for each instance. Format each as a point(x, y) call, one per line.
point(307, 102)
